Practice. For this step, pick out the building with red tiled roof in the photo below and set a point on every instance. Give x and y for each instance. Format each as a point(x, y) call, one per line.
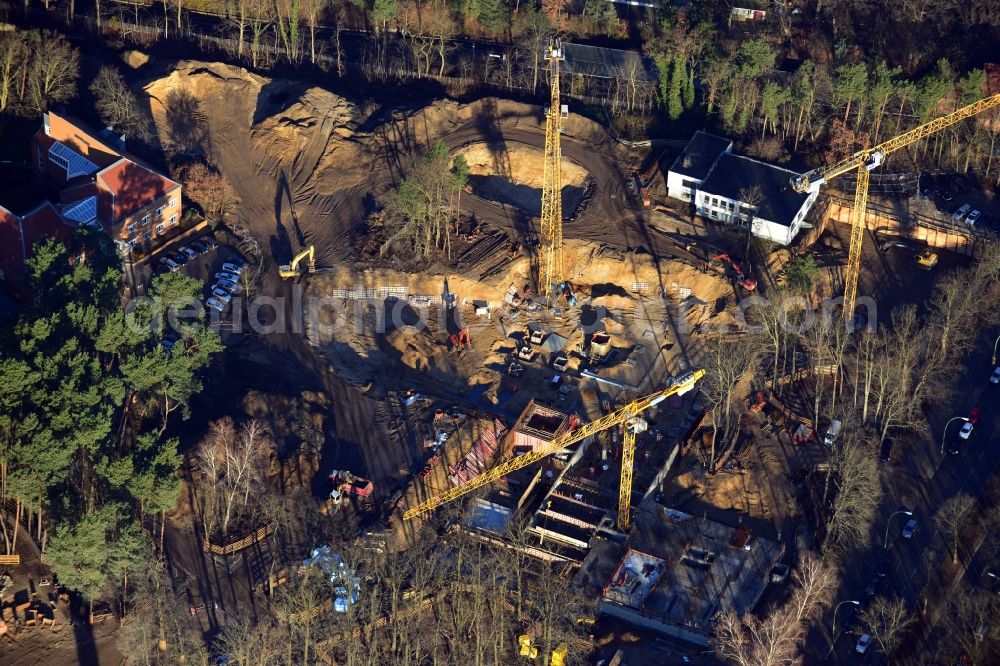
point(19, 233)
point(100, 185)
point(136, 204)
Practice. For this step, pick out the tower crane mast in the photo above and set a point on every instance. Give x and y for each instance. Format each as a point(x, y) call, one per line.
point(628, 416)
point(550, 259)
point(863, 162)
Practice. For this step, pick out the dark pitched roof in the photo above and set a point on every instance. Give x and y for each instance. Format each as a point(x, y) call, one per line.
point(700, 153)
point(735, 172)
point(602, 63)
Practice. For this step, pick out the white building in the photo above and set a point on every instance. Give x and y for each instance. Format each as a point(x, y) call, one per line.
point(711, 177)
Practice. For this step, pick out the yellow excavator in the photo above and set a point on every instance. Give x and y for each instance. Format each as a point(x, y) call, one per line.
point(628, 416)
point(292, 270)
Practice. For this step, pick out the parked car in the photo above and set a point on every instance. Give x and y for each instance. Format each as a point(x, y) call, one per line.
point(960, 213)
point(209, 242)
point(226, 275)
point(972, 218)
point(180, 258)
point(222, 294)
point(909, 528)
point(229, 286)
point(189, 253)
point(995, 377)
point(974, 415)
point(863, 644)
point(169, 264)
point(232, 267)
point(884, 567)
point(215, 303)
point(961, 184)
point(954, 447)
point(199, 247)
point(966, 431)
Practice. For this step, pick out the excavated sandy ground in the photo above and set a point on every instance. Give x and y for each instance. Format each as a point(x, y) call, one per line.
point(519, 164)
point(361, 340)
point(299, 159)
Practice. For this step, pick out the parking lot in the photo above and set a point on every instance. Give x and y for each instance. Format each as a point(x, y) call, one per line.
point(945, 195)
point(201, 257)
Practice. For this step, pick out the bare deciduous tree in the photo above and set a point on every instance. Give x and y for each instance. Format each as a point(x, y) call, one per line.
point(853, 476)
point(231, 462)
point(815, 581)
point(52, 72)
point(117, 105)
point(887, 619)
point(951, 517)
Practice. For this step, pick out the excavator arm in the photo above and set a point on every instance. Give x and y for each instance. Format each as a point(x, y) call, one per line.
point(679, 385)
point(292, 270)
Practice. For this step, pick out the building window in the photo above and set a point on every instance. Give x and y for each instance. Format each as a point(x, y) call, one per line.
point(173, 219)
point(145, 219)
point(159, 228)
point(146, 236)
point(704, 199)
point(173, 202)
point(131, 229)
point(159, 212)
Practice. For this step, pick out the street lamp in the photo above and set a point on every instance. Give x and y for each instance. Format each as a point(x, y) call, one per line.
point(885, 545)
point(995, 349)
point(954, 418)
point(833, 631)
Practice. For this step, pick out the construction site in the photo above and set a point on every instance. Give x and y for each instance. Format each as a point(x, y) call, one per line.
point(553, 374)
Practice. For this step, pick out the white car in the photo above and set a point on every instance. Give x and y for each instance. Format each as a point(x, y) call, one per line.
point(960, 213)
point(169, 264)
point(972, 217)
point(966, 431)
point(995, 377)
point(215, 303)
point(222, 295)
point(863, 644)
point(232, 268)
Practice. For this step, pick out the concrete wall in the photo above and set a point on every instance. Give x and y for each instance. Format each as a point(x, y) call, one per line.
point(639, 619)
point(956, 240)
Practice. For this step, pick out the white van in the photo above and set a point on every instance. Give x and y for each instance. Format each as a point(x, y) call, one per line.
point(832, 432)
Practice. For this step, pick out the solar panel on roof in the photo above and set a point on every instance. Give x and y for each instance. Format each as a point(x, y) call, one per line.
point(82, 211)
point(74, 163)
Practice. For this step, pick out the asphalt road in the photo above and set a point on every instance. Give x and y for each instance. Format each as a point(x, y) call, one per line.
point(967, 472)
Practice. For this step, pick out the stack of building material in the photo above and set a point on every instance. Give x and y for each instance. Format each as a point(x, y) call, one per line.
point(480, 456)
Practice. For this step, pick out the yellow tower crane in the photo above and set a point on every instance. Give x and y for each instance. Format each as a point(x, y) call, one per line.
point(864, 161)
point(550, 258)
point(628, 416)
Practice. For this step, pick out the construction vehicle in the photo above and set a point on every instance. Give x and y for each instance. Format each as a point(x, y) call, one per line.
point(741, 279)
point(461, 340)
point(627, 416)
point(550, 258)
point(526, 648)
point(927, 260)
point(292, 270)
point(345, 483)
point(863, 162)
